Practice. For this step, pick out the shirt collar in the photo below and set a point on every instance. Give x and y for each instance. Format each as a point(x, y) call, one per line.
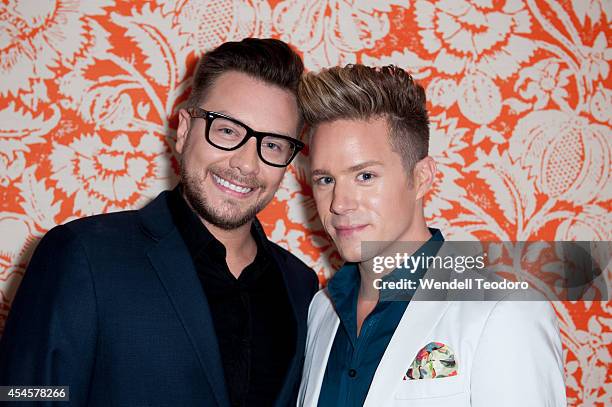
point(344, 285)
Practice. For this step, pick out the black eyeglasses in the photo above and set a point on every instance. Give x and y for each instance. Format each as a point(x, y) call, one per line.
point(227, 133)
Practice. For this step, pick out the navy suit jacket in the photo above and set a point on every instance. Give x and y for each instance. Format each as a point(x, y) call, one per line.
point(111, 306)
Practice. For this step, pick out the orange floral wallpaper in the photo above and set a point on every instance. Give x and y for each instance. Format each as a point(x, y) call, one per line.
point(519, 93)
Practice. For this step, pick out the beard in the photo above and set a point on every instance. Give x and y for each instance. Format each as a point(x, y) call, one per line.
point(227, 216)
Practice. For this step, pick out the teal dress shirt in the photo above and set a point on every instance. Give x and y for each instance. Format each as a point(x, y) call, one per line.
point(353, 359)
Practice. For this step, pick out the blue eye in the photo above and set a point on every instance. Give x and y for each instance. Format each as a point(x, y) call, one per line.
point(365, 176)
point(324, 180)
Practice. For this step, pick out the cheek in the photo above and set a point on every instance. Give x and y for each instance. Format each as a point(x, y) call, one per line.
point(322, 200)
point(272, 177)
point(385, 202)
point(322, 203)
point(199, 155)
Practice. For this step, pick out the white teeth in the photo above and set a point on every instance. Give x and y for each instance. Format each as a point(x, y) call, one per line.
point(231, 186)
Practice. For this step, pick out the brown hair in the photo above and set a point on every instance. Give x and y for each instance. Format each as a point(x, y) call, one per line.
point(269, 60)
point(359, 92)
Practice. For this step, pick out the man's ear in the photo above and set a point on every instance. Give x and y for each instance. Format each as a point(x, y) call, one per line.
point(182, 131)
point(424, 176)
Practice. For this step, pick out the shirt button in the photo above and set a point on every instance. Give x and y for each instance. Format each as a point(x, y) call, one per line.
point(352, 373)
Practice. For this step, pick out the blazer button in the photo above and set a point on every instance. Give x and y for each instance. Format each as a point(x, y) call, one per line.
point(352, 373)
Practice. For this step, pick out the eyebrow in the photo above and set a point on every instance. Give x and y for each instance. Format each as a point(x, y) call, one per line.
point(354, 168)
point(231, 116)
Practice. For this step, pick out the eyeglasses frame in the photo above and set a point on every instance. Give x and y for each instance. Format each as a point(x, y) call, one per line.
point(209, 116)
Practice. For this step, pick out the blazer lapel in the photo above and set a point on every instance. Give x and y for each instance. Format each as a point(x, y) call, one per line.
point(318, 347)
point(421, 316)
point(293, 372)
point(175, 269)
point(172, 262)
point(294, 291)
point(417, 322)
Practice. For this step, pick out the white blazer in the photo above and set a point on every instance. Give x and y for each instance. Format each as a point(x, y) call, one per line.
point(508, 354)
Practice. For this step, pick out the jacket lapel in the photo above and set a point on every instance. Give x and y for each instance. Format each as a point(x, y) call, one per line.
point(421, 316)
point(293, 372)
point(292, 288)
point(172, 263)
point(320, 339)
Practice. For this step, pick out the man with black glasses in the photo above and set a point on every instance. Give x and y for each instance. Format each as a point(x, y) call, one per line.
point(184, 302)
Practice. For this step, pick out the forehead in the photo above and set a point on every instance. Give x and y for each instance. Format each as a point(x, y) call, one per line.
point(259, 105)
point(341, 144)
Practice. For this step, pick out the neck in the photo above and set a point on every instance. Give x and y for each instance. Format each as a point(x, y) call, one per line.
point(409, 243)
point(234, 240)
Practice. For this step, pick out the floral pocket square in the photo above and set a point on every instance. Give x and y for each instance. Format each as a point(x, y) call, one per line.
point(433, 361)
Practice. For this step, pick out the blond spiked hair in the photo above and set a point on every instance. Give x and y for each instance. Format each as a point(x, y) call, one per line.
point(359, 92)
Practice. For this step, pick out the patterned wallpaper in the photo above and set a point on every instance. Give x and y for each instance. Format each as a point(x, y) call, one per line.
point(519, 93)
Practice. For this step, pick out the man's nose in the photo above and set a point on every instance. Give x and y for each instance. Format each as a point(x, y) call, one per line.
point(343, 199)
point(245, 159)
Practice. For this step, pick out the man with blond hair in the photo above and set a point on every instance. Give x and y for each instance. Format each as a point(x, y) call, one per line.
point(370, 171)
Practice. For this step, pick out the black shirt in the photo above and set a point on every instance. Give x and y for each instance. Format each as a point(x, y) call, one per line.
point(252, 315)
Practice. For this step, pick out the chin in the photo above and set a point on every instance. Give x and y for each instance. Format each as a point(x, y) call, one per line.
point(350, 254)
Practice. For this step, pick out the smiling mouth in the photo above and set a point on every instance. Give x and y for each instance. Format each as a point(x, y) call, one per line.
point(345, 231)
point(232, 187)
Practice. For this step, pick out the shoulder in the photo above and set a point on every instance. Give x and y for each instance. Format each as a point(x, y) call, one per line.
point(518, 310)
point(153, 220)
point(57, 243)
point(76, 241)
point(103, 223)
point(59, 263)
point(98, 231)
point(514, 304)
